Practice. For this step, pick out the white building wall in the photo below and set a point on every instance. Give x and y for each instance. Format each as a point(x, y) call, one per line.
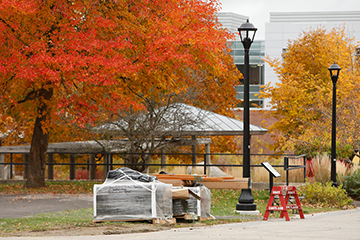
point(231, 21)
point(287, 26)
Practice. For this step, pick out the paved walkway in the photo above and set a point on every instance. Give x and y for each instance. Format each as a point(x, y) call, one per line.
point(332, 225)
point(24, 205)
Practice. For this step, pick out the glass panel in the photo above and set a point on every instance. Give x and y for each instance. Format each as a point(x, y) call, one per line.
point(254, 60)
point(252, 96)
point(254, 73)
point(254, 52)
point(239, 88)
point(239, 60)
point(236, 45)
point(255, 95)
point(238, 52)
point(253, 104)
point(256, 44)
point(253, 88)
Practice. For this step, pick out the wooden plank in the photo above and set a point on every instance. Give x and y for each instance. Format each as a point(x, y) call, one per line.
point(238, 180)
point(209, 182)
point(194, 195)
point(212, 179)
point(226, 185)
point(229, 178)
point(199, 178)
point(181, 193)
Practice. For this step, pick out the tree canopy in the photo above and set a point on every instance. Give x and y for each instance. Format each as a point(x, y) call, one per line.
point(302, 99)
point(75, 60)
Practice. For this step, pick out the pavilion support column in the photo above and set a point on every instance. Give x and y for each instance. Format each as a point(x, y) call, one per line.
point(106, 165)
point(51, 166)
point(207, 159)
point(26, 160)
point(72, 166)
point(110, 156)
point(163, 159)
point(92, 167)
point(2, 166)
point(193, 167)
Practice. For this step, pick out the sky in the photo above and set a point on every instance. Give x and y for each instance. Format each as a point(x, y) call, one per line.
point(258, 11)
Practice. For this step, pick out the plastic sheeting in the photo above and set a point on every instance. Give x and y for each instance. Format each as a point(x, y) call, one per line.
point(200, 208)
point(128, 174)
point(129, 195)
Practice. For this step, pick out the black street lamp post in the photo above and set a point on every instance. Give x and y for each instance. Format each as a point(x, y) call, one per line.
point(247, 33)
point(334, 73)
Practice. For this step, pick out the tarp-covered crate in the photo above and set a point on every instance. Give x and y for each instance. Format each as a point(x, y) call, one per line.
point(128, 198)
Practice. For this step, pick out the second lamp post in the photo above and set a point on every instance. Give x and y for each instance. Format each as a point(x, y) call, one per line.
point(334, 73)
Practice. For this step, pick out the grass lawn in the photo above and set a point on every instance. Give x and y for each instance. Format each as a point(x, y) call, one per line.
point(223, 205)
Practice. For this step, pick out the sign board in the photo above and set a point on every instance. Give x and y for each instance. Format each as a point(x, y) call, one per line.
point(271, 170)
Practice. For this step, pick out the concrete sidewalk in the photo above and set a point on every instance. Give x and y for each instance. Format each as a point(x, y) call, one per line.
point(332, 225)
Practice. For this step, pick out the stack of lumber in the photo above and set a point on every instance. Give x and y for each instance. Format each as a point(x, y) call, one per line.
point(209, 182)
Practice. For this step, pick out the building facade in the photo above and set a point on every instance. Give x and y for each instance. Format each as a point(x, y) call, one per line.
point(282, 27)
point(285, 26)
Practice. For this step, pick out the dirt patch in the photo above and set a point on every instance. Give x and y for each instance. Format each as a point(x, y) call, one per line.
point(103, 230)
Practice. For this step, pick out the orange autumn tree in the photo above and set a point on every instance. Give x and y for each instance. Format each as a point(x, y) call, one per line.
point(302, 99)
point(78, 59)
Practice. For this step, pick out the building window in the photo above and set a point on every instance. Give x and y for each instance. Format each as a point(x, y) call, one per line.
point(254, 92)
point(257, 70)
point(255, 74)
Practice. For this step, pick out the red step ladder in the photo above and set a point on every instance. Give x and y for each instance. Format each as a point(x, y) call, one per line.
point(278, 191)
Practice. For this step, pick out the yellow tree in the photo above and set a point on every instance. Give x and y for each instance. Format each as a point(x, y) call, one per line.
point(302, 99)
point(75, 59)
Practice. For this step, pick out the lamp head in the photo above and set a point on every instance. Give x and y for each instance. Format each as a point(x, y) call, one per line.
point(247, 31)
point(334, 71)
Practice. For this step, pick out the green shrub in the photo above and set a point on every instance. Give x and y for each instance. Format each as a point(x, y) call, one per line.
point(351, 184)
point(325, 195)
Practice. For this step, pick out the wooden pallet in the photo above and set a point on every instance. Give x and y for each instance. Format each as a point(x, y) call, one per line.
point(153, 220)
point(164, 221)
point(192, 217)
point(187, 216)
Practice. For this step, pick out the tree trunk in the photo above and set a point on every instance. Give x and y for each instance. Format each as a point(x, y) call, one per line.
point(39, 143)
point(132, 161)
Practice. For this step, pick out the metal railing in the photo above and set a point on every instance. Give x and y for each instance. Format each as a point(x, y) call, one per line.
point(109, 164)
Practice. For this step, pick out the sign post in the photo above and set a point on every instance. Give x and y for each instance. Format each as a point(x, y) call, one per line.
point(272, 174)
